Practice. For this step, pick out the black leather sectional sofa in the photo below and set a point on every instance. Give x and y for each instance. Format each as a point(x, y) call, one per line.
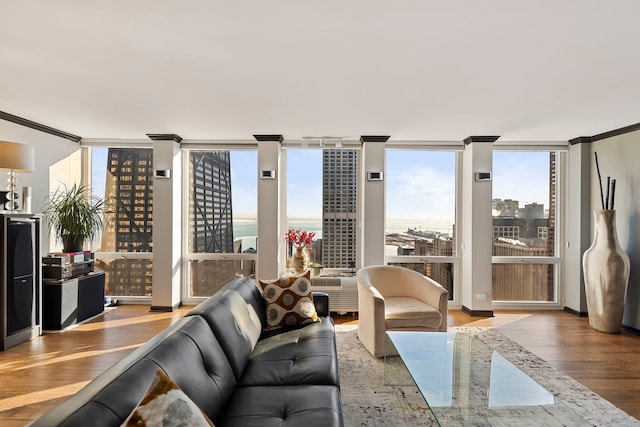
point(220, 357)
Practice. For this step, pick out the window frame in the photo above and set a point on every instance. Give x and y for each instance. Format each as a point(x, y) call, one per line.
point(557, 259)
point(187, 255)
point(86, 179)
point(320, 144)
point(454, 260)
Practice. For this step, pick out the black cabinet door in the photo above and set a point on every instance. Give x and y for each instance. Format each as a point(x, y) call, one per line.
point(19, 279)
point(90, 296)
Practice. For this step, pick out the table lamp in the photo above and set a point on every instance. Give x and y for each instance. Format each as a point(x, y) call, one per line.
point(14, 158)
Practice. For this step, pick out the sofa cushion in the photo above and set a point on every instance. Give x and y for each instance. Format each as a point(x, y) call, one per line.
point(236, 315)
point(401, 312)
point(289, 301)
point(283, 406)
point(304, 355)
point(164, 401)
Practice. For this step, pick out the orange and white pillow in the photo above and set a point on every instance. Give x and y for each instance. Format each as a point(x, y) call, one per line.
point(165, 404)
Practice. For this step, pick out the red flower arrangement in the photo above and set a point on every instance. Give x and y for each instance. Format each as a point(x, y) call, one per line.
point(300, 237)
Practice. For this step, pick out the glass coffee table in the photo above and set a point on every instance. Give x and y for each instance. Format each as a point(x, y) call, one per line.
point(466, 383)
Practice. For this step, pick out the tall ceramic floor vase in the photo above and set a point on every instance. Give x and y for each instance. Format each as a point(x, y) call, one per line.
point(300, 259)
point(606, 275)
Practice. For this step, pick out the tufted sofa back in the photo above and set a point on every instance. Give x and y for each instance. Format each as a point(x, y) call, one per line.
point(188, 352)
point(237, 315)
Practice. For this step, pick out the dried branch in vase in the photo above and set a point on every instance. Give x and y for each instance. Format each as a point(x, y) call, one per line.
point(608, 202)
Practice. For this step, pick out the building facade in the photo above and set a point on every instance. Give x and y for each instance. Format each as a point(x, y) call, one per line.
point(339, 214)
point(129, 195)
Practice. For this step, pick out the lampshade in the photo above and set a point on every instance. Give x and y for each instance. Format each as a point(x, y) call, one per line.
point(16, 157)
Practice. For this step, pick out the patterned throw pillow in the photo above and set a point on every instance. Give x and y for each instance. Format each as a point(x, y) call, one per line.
point(289, 301)
point(165, 405)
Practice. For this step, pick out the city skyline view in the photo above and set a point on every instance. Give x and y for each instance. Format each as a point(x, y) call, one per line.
point(420, 185)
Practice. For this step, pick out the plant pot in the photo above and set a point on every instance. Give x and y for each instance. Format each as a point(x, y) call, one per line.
point(606, 275)
point(72, 243)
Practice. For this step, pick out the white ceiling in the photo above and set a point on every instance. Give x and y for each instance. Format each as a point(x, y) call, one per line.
point(543, 70)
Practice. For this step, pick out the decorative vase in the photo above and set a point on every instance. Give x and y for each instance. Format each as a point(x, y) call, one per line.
point(300, 259)
point(606, 275)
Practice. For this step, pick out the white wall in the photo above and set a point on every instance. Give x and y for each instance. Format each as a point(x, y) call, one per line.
point(618, 158)
point(50, 152)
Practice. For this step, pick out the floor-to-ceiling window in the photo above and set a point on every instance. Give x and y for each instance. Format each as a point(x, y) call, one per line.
point(220, 218)
point(124, 249)
point(321, 198)
point(420, 216)
point(525, 226)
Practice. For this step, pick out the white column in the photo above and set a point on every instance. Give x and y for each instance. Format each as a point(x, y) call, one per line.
point(372, 198)
point(270, 231)
point(167, 220)
point(578, 220)
point(477, 222)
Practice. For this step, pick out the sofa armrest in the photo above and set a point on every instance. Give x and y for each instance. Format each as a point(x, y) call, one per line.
point(321, 301)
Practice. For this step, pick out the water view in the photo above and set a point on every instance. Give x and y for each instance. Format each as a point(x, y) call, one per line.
point(246, 228)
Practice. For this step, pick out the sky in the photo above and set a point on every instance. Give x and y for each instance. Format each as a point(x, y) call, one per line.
point(522, 176)
point(419, 183)
point(98, 170)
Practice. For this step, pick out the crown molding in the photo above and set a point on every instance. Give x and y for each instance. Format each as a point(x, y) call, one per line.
point(164, 137)
point(605, 135)
point(38, 126)
point(274, 137)
point(470, 139)
point(374, 138)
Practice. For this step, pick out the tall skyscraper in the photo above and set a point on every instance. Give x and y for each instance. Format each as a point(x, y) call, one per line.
point(211, 222)
point(339, 214)
point(129, 193)
point(210, 212)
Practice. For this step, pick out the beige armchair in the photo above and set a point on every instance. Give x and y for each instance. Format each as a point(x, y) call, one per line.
point(396, 298)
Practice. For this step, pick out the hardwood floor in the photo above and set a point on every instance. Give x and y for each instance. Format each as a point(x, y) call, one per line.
point(36, 375)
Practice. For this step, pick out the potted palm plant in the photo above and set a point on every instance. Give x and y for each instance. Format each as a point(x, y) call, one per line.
point(73, 215)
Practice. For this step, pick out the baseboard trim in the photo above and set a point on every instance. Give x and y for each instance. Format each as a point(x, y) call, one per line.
point(477, 313)
point(576, 312)
point(164, 308)
point(631, 329)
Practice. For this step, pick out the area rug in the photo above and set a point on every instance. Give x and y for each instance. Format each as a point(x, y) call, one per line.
point(367, 401)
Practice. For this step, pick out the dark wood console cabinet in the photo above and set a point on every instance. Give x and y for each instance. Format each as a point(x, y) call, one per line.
point(70, 301)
